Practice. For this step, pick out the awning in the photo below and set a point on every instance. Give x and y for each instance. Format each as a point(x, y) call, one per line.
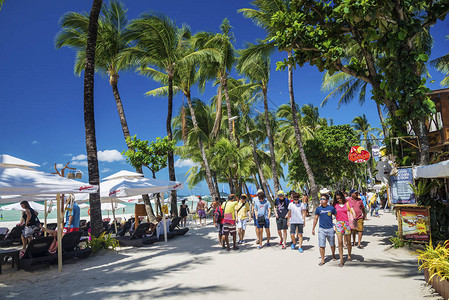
point(438, 170)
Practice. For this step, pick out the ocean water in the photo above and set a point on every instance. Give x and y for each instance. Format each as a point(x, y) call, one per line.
point(14, 215)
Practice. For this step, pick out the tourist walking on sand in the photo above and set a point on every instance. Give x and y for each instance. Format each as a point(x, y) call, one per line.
point(305, 201)
point(243, 214)
point(324, 214)
point(262, 210)
point(342, 227)
point(281, 204)
point(184, 211)
point(360, 215)
point(31, 222)
point(296, 219)
point(201, 210)
point(229, 217)
point(218, 220)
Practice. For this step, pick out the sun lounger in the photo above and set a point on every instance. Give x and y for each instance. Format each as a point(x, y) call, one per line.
point(174, 227)
point(138, 238)
point(12, 237)
point(36, 252)
point(70, 246)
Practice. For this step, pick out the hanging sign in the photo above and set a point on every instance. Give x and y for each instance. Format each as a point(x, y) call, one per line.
point(358, 154)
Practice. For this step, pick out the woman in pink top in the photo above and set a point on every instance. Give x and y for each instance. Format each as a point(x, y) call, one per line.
point(342, 225)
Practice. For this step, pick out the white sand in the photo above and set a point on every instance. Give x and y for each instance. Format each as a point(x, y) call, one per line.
point(195, 267)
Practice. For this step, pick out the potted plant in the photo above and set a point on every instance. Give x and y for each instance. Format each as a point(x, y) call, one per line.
point(435, 263)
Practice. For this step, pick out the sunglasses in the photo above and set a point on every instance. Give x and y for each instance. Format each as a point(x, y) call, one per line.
point(322, 198)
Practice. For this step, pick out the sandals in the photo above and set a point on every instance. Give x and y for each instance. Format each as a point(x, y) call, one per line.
point(235, 248)
point(321, 263)
point(340, 265)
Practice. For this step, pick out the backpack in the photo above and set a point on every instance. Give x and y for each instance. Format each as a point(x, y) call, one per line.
point(218, 215)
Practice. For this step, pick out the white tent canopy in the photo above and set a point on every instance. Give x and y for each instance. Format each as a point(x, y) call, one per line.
point(124, 174)
point(104, 206)
point(16, 206)
point(8, 161)
point(141, 186)
point(438, 170)
point(17, 181)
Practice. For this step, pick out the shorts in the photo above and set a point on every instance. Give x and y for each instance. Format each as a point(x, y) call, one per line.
point(281, 223)
point(201, 214)
point(67, 230)
point(229, 229)
point(342, 227)
point(242, 224)
point(28, 231)
point(293, 228)
point(220, 229)
point(359, 226)
point(266, 224)
point(326, 233)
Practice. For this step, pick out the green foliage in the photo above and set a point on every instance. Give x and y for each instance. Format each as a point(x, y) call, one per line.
point(439, 213)
point(435, 260)
point(398, 242)
point(104, 241)
point(152, 155)
point(326, 153)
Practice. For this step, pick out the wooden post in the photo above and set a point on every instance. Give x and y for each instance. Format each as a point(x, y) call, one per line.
point(45, 221)
point(165, 222)
point(113, 215)
point(59, 233)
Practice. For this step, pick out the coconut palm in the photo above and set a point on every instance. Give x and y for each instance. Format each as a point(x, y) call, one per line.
point(160, 43)
point(256, 67)
point(111, 43)
point(262, 17)
point(89, 119)
point(220, 69)
point(442, 65)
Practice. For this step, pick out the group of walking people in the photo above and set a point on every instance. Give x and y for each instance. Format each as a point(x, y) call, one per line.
point(343, 215)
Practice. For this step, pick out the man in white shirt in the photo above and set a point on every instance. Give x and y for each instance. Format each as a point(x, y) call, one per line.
point(296, 220)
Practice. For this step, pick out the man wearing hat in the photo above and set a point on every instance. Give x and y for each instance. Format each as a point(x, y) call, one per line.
point(360, 215)
point(262, 211)
point(281, 211)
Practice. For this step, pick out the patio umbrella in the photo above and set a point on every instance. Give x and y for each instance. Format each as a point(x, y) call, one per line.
point(16, 206)
point(8, 161)
point(23, 181)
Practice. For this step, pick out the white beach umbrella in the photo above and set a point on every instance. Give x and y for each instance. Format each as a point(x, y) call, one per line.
point(123, 174)
point(8, 161)
point(16, 206)
point(104, 206)
point(142, 186)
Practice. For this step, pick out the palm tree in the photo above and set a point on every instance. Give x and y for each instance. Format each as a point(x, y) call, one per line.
point(442, 65)
point(186, 77)
point(262, 17)
point(159, 42)
point(111, 43)
point(220, 69)
point(364, 129)
point(257, 69)
point(89, 119)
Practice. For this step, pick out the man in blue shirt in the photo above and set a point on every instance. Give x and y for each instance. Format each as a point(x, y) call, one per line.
point(324, 213)
point(72, 217)
point(262, 210)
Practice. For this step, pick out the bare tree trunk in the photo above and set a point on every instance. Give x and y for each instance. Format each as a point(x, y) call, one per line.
point(382, 120)
point(256, 182)
point(419, 126)
point(229, 109)
point(171, 159)
point(218, 115)
point(310, 176)
point(89, 120)
point(270, 143)
point(217, 189)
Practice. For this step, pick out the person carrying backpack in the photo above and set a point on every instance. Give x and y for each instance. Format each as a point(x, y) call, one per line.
point(218, 220)
point(281, 203)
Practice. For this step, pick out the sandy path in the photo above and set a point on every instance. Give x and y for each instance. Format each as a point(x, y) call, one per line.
point(195, 267)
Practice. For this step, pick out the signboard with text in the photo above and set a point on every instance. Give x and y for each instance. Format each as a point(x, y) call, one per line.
point(358, 154)
point(401, 192)
point(414, 223)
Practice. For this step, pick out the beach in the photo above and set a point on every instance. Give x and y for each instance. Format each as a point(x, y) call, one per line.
point(195, 267)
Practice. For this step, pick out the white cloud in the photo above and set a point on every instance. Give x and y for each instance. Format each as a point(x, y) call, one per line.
point(59, 166)
point(79, 157)
point(106, 170)
point(79, 163)
point(34, 142)
point(68, 154)
point(110, 156)
point(184, 163)
point(44, 163)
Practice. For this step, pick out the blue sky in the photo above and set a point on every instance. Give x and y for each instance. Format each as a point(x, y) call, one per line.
point(41, 115)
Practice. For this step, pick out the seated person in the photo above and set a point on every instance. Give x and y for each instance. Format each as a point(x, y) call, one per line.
point(31, 222)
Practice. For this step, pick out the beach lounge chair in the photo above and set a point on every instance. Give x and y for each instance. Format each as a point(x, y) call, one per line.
point(12, 237)
point(36, 252)
point(70, 246)
point(174, 227)
point(138, 238)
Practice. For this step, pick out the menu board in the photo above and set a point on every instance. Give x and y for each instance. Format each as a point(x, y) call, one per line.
point(401, 192)
point(414, 223)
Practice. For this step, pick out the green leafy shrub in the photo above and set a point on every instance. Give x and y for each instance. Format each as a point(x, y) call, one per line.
point(435, 260)
point(398, 242)
point(103, 242)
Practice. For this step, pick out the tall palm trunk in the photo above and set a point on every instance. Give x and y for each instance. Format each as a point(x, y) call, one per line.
point(420, 128)
point(89, 120)
point(218, 114)
point(113, 81)
point(310, 176)
point(256, 182)
point(274, 169)
point(217, 188)
point(258, 166)
point(382, 120)
point(228, 108)
point(209, 180)
point(171, 160)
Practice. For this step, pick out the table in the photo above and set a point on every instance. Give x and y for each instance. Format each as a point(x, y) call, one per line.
point(13, 253)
